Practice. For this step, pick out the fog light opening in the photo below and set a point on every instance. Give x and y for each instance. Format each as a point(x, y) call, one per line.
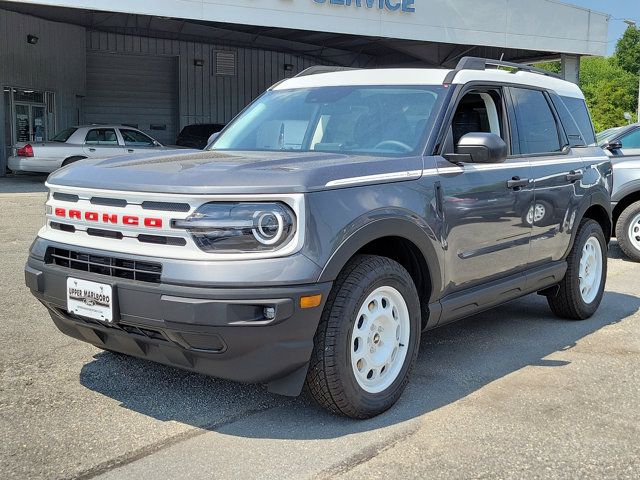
point(269, 313)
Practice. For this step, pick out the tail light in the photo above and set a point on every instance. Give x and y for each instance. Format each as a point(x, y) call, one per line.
point(26, 151)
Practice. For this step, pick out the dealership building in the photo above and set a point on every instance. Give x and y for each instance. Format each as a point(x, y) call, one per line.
point(160, 65)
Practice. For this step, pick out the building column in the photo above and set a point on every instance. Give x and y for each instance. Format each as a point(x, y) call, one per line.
point(570, 67)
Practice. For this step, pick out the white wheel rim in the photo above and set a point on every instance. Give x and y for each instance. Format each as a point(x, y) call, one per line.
point(634, 232)
point(590, 270)
point(536, 213)
point(379, 339)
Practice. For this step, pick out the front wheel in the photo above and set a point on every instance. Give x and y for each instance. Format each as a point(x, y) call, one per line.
point(367, 340)
point(628, 231)
point(580, 291)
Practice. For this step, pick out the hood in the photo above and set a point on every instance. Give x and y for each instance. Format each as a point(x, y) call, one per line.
point(213, 172)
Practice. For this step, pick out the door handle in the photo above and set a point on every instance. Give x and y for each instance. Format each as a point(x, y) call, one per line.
point(92, 149)
point(517, 183)
point(574, 176)
point(131, 150)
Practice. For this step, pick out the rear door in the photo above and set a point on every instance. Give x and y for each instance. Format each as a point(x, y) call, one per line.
point(557, 171)
point(102, 142)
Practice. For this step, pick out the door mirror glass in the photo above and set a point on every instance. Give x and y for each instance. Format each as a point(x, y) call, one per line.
point(479, 147)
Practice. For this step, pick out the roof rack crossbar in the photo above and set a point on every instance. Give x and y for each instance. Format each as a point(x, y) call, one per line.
point(476, 63)
point(317, 69)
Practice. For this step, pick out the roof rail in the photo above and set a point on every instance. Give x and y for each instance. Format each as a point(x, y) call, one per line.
point(316, 69)
point(476, 63)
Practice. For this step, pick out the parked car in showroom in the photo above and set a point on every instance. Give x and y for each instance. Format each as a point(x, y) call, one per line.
point(622, 144)
point(77, 143)
point(197, 135)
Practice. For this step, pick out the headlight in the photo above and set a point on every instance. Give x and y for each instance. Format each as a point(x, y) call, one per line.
point(240, 227)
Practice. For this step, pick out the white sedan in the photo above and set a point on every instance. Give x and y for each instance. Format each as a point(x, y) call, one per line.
point(76, 143)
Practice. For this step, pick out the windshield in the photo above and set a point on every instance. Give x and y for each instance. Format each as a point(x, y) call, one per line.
point(376, 120)
point(64, 135)
point(607, 135)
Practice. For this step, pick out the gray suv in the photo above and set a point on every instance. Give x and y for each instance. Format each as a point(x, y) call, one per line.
point(333, 222)
point(622, 144)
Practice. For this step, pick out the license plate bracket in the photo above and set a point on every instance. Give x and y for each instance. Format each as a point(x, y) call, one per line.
point(90, 299)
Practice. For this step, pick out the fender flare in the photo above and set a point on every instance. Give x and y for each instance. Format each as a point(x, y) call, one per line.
point(598, 197)
point(379, 228)
point(627, 189)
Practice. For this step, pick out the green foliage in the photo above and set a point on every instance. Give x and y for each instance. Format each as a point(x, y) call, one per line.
point(609, 90)
point(610, 85)
point(628, 50)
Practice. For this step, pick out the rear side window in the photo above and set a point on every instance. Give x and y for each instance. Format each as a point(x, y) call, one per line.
point(102, 136)
point(578, 109)
point(537, 129)
point(631, 140)
point(64, 135)
point(133, 138)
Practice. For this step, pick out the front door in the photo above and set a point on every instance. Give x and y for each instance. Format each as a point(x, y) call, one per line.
point(485, 235)
point(30, 123)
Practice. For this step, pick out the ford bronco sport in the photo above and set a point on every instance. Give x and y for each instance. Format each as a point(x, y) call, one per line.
point(334, 220)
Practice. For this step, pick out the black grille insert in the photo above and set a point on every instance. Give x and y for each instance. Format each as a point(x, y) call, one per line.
point(65, 197)
point(109, 202)
point(103, 265)
point(167, 206)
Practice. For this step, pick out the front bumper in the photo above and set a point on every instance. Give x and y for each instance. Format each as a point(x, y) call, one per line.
point(220, 332)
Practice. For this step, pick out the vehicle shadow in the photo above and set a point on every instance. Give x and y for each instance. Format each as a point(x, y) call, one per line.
point(23, 183)
point(454, 361)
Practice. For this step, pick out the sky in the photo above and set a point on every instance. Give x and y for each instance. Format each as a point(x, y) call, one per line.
point(619, 10)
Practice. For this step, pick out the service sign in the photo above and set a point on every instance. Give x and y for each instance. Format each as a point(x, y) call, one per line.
point(406, 6)
point(90, 299)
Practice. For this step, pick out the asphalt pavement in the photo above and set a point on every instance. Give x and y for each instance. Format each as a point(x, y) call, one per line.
point(510, 393)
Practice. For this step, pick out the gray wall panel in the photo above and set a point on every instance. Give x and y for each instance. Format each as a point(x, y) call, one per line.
point(205, 97)
point(56, 63)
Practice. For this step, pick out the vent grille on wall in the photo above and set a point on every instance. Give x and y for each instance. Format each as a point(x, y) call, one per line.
point(224, 63)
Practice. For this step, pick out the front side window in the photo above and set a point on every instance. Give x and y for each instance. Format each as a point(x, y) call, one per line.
point(631, 140)
point(101, 136)
point(537, 129)
point(376, 120)
point(133, 138)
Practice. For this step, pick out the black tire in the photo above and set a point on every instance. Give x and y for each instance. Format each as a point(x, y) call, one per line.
point(331, 380)
point(567, 301)
point(628, 216)
point(70, 160)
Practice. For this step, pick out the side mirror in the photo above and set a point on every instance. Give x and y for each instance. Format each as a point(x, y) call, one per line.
point(212, 138)
point(614, 145)
point(479, 147)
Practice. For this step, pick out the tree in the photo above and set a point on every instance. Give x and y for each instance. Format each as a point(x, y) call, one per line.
point(628, 50)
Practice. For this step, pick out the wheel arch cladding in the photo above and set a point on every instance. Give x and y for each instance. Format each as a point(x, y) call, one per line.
point(629, 198)
point(399, 239)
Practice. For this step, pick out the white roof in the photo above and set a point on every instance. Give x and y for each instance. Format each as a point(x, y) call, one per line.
point(425, 76)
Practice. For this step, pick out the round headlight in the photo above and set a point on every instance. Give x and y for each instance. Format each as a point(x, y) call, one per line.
point(269, 227)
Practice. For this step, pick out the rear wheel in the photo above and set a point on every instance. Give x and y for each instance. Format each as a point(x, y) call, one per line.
point(367, 340)
point(580, 291)
point(628, 231)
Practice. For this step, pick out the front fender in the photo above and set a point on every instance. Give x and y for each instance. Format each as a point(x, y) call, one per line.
point(389, 226)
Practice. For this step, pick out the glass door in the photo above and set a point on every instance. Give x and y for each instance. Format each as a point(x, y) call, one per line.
point(22, 123)
point(30, 124)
